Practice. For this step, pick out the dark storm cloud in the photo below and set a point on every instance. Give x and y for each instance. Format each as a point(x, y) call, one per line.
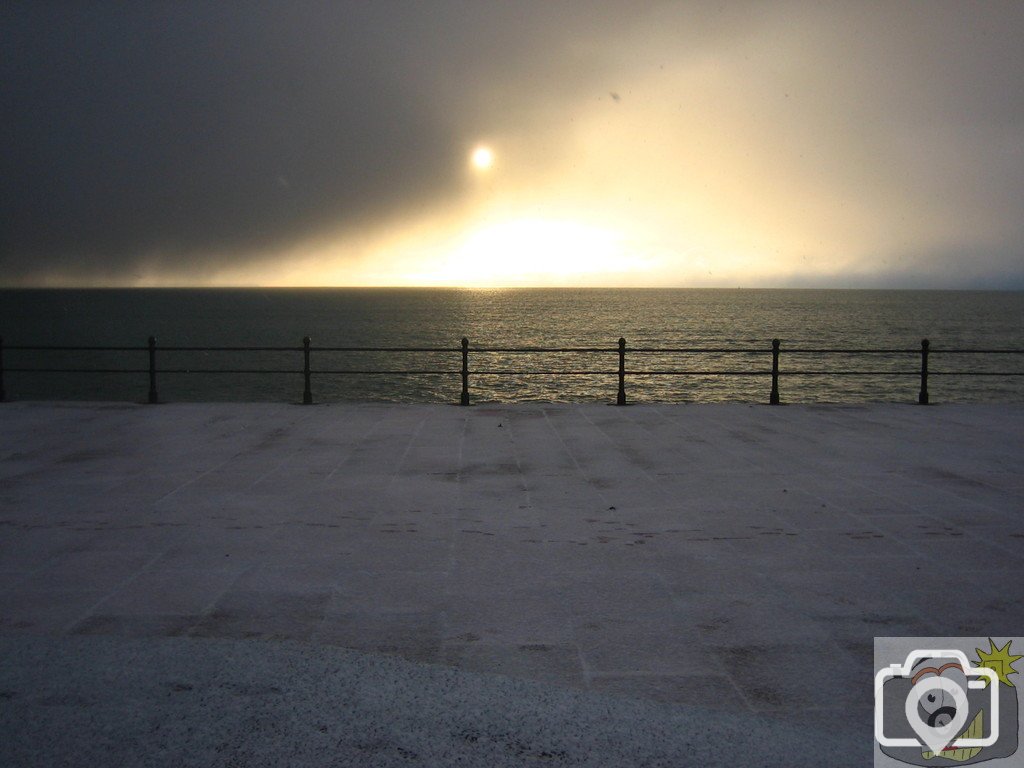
point(163, 133)
point(174, 129)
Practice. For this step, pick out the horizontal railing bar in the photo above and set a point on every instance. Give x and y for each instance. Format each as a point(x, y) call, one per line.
point(615, 373)
point(50, 348)
point(377, 371)
point(800, 350)
point(708, 350)
point(386, 349)
point(157, 349)
point(641, 350)
point(146, 370)
point(976, 373)
point(295, 372)
point(8, 348)
point(798, 372)
point(77, 370)
point(696, 350)
point(933, 351)
point(312, 371)
point(698, 373)
point(514, 372)
point(231, 370)
point(228, 349)
point(515, 350)
point(901, 373)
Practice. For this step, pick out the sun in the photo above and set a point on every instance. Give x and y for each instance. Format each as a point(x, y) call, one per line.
point(482, 158)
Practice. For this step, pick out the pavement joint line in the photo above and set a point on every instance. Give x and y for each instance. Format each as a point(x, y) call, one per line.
point(288, 456)
point(195, 479)
point(461, 459)
point(524, 486)
point(397, 467)
point(617, 447)
point(146, 568)
point(375, 427)
point(572, 456)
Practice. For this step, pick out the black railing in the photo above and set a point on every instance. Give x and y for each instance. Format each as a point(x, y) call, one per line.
point(922, 371)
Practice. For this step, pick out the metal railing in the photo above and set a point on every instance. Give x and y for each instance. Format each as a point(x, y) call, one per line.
point(921, 371)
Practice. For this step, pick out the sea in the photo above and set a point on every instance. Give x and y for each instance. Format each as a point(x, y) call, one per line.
point(727, 334)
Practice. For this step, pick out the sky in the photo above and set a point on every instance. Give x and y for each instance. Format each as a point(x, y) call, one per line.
point(703, 144)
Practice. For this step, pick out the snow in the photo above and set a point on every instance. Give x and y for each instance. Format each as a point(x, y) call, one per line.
point(679, 581)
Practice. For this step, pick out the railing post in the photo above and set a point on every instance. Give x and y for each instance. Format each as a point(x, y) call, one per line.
point(621, 398)
point(464, 400)
point(307, 393)
point(3, 393)
point(152, 371)
point(773, 398)
point(922, 397)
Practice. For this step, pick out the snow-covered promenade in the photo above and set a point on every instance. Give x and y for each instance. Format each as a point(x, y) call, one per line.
point(343, 582)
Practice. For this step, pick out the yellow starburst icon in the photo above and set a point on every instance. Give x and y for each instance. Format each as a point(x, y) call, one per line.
point(999, 660)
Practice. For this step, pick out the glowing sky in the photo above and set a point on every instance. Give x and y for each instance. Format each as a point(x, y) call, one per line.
point(527, 143)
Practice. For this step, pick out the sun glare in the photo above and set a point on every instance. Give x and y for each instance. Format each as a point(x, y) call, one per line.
point(532, 251)
point(482, 158)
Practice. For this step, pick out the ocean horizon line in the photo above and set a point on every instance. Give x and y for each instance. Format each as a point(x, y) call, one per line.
point(465, 288)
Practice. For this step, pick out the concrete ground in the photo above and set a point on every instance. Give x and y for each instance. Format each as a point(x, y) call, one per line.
point(673, 575)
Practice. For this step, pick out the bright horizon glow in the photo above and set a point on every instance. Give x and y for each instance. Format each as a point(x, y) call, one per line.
point(529, 251)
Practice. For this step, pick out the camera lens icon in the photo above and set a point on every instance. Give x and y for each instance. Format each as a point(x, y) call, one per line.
point(936, 709)
point(936, 706)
